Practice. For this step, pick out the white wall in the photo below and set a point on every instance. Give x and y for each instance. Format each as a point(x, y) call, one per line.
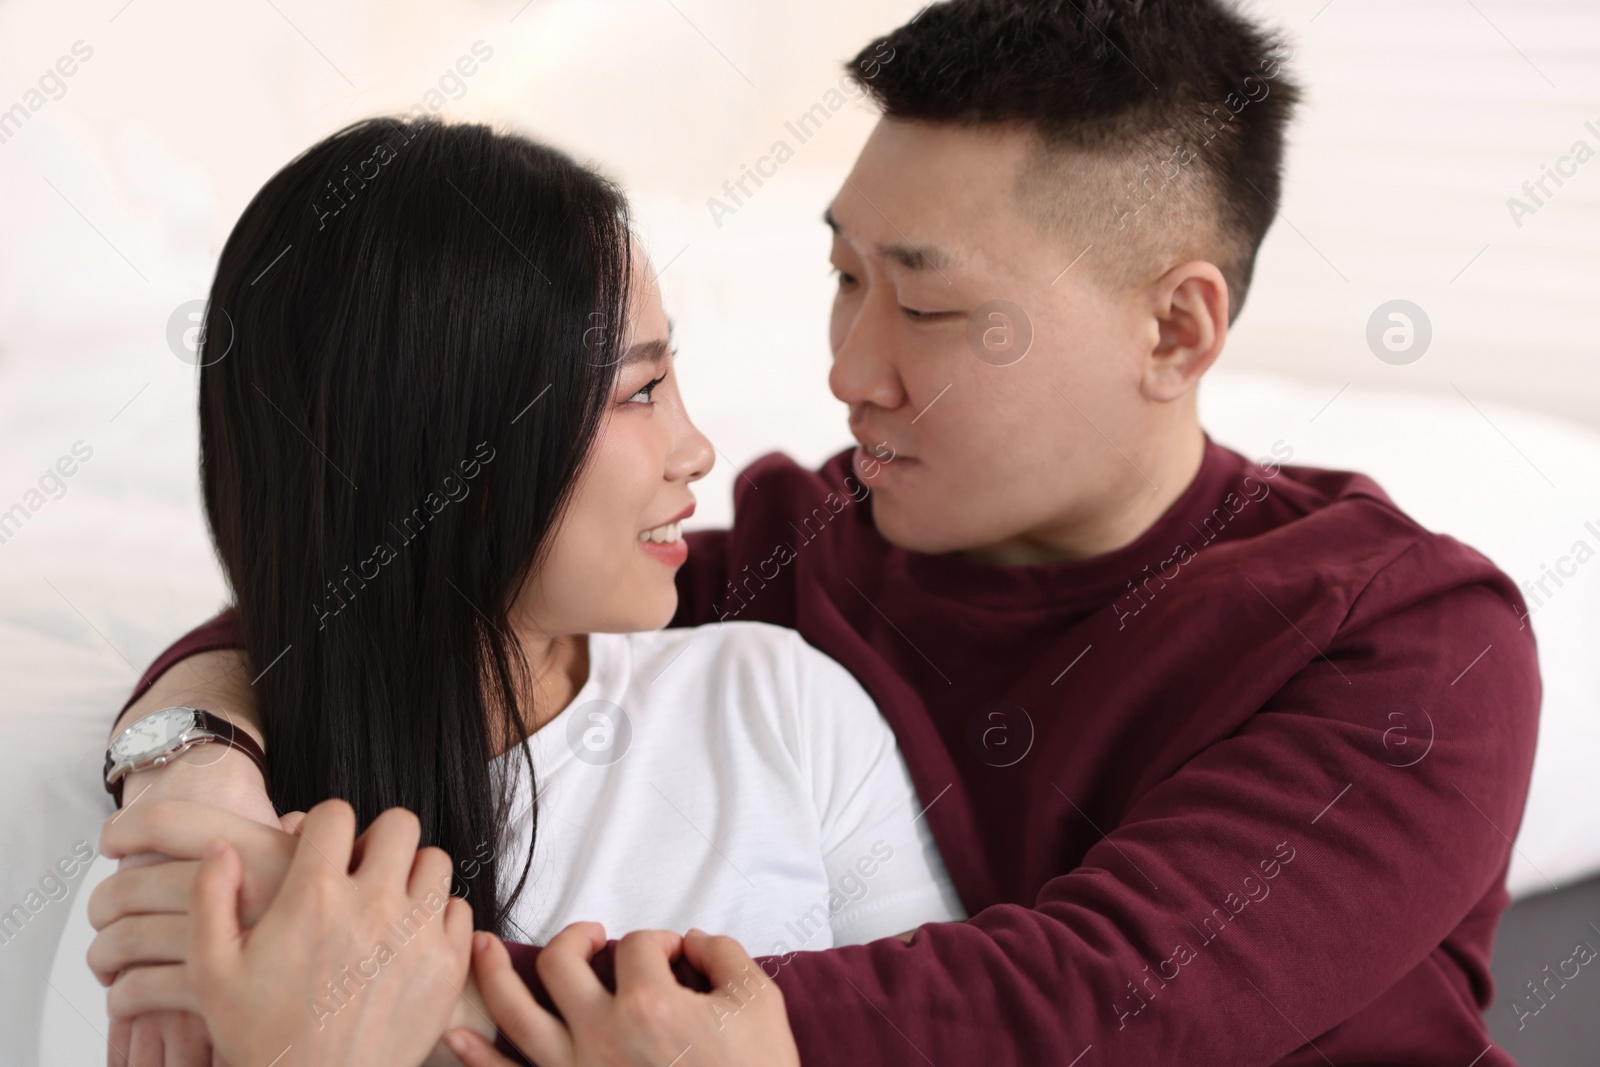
point(1422, 119)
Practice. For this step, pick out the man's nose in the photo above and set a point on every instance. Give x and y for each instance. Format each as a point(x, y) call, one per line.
point(863, 370)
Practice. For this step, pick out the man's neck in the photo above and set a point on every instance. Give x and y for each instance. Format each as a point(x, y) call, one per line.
point(1115, 521)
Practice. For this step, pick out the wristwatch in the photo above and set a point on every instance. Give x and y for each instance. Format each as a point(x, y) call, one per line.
point(161, 736)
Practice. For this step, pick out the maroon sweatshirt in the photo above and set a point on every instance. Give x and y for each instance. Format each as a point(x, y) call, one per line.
point(1241, 793)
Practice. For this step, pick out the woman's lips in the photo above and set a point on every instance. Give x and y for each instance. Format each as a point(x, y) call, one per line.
point(671, 553)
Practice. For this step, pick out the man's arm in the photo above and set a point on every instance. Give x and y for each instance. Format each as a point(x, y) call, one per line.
point(213, 774)
point(1290, 878)
point(219, 682)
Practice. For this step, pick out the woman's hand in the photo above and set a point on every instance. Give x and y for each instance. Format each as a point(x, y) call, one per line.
point(651, 1020)
point(348, 965)
point(142, 912)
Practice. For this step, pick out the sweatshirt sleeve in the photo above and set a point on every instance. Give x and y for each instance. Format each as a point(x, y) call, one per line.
point(219, 632)
point(1267, 890)
point(1277, 884)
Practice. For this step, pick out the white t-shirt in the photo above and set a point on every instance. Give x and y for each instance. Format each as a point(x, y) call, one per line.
point(729, 777)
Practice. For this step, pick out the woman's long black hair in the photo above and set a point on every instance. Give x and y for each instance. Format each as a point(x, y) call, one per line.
point(409, 346)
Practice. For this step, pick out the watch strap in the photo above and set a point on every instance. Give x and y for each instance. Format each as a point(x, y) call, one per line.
point(207, 727)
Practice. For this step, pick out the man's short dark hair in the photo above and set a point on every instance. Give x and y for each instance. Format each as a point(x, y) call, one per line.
point(1176, 107)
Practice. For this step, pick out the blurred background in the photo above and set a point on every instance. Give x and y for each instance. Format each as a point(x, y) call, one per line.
point(119, 181)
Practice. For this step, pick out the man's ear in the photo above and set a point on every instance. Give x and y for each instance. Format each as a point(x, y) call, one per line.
point(1190, 306)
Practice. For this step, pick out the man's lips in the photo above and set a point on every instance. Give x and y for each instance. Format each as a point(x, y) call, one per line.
point(880, 450)
point(879, 470)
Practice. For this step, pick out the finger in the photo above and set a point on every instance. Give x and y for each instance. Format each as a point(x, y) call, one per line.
point(144, 1047)
point(724, 961)
point(563, 966)
point(138, 939)
point(473, 1050)
point(291, 821)
point(149, 991)
point(146, 991)
point(458, 930)
point(538, 1035)
point(214, 935)
point(455, 961)
point(188, 1044)
point(158, 888)
point(119, 1037)
point(383, 856)
point(179, 829)
point(327, 838)
point(430, 872)
point(644, 958)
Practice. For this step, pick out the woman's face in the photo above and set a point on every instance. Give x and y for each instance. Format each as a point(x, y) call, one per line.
point(614, 555)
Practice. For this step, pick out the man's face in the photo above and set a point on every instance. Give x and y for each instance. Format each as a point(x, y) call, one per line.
point(995, 455)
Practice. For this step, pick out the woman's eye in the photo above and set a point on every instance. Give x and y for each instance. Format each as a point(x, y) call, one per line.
point(920, 316)
point(643, 396)
point(844, 279)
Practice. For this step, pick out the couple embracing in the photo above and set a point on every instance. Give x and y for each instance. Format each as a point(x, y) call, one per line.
point(1008, 736)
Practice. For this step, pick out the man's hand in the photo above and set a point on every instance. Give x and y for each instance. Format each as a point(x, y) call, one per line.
point(208, 774)
point(357, 959)
point(650, 1021)
point(142, 915)
point(142, 912)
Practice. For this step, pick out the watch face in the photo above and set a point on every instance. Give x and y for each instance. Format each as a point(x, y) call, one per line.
point(152, 735)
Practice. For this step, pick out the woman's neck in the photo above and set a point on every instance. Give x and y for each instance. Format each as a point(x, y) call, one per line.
point(559, 667)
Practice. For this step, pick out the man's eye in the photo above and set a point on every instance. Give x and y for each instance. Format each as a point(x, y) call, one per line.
point(920, 316)
point(844, 279)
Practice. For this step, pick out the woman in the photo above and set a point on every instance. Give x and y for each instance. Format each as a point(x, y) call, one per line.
point(444, 463)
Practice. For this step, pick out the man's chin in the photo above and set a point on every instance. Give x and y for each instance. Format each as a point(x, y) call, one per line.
point(915, 534)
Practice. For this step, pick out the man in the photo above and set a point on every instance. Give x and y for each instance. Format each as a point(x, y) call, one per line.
point(1224, 758)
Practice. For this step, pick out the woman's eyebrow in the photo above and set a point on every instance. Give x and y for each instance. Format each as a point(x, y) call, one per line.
point(647, 352)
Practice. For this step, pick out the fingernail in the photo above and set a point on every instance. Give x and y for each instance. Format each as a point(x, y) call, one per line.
point(457, 1042)
point(215, 848)
point(480, 942)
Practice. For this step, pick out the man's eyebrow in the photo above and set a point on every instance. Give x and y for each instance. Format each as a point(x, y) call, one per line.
point(910, 256)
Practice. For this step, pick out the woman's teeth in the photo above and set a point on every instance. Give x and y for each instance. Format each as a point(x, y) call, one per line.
point(663, 534)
